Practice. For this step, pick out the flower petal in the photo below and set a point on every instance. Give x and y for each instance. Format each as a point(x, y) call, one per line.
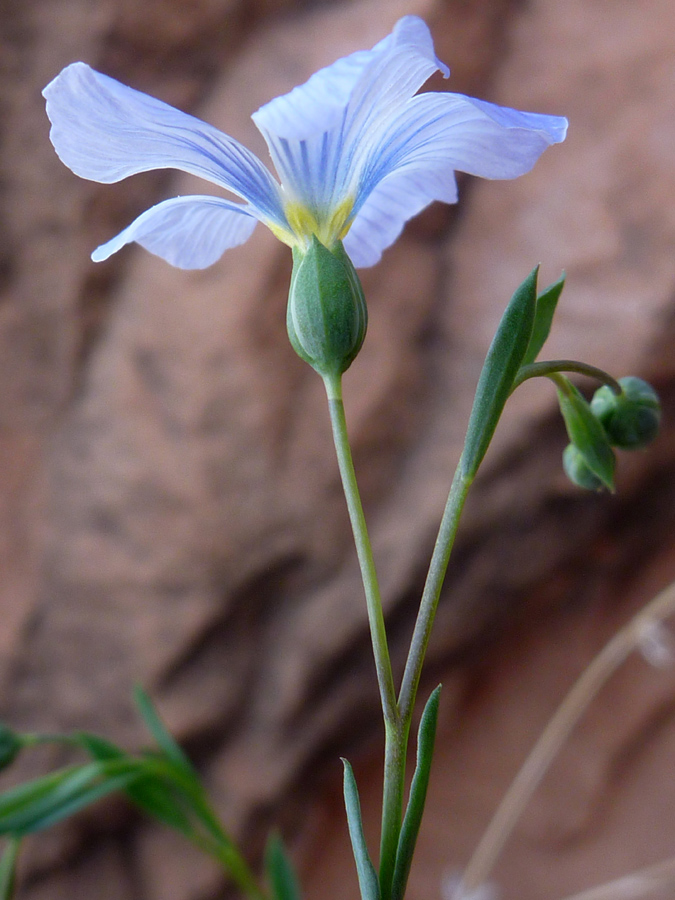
point(105, 131)
point(438, 132)
point(397, 198)
point(188, 232)
point(411, 161)
point(314, 132)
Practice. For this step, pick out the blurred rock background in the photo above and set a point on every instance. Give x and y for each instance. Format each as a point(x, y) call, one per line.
point(170, 511)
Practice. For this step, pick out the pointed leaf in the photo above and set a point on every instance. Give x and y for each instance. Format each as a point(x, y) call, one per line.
point(47, 800)
point(155, 795)
point(280, 872)
point(586, 432)
point(161, 800)
point(159, 731)
point(501, 366)
point(412, 820)
point(32, 792)
point(547, 302)
point(368, 882)
point(100, 749)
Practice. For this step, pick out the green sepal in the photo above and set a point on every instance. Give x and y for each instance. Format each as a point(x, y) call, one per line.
point(412, 820)
point(501, 366)
point(368, 881)
point(279, 870)
point(576, 469)
point(327, 315)
point(8, 868)
point(586, 432)
point(544, 311)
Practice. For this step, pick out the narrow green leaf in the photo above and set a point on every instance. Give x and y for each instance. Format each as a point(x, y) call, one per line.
point(163, 801)
point(368, 881)
point(151, 792)
point(42, 802)
point(547, 302)
point(280, 872)
point(586, 432)
point(19, 797)
point(10, 745)
point(74, 804)
point(8, 868)
point(501, 366)
point(100, 749)
point(159, 731)
point(412, 820)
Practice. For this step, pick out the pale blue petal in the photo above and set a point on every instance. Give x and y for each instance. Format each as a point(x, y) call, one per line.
point(439, 132)
point(105, 131)
point(412, 159)
point(188, 232)
point(397, 198)
point(315, 132)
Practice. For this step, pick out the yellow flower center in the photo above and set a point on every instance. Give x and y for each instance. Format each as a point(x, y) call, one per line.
point(304, 223)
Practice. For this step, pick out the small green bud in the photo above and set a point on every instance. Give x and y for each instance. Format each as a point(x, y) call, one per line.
point(586, 433)
point(327, 316)
point(10, 745)
point(631, 419)
point(578, 471)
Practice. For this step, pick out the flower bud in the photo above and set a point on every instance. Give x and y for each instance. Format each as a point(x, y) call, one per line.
point(578, 471)
point(10, 745)
point(630, 419)
point(327, 316)
point(588, 438)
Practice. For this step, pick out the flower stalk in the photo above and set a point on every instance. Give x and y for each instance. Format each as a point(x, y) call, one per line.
point(364, 550)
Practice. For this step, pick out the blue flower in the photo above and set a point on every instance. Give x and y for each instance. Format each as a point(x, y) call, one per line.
point(358, 153)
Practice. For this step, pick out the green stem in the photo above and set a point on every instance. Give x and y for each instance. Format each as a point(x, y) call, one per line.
point(396, 745)
point(432, 591)
point(554, 366)
point(395, 731)
point(364, 551)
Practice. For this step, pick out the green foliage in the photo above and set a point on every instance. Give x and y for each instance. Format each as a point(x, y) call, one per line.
point(503, 361)
point(545, 308)
point(412, 820)
point(368, 881)
point(42, 802)
point(161, 782)
point(8, 868)
point(586, 433)
point(160, 732)
point(10, 746)
point(279, 870)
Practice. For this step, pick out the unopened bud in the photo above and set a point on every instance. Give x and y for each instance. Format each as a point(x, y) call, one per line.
point(630, 419)
point(591, 449)
point(327, 316)
point(578, 471)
